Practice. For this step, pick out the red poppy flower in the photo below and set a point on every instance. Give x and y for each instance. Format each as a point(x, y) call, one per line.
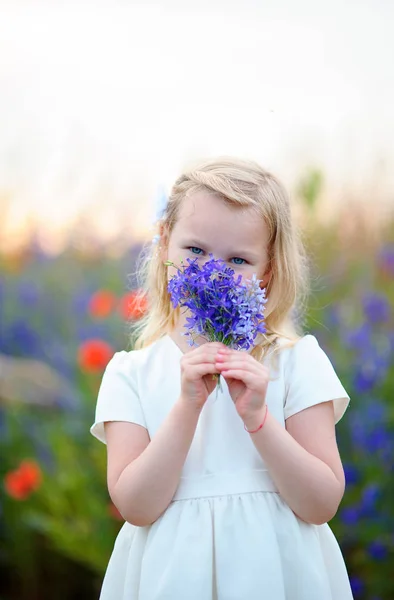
point(24, 480)
point(94, 355)
point(133, 305)
point(101, 304)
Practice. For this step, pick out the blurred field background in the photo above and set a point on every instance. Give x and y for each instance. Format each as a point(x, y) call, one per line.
point(100, 107)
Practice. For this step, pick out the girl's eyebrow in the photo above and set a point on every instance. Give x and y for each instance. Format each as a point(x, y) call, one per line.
point(192, 242)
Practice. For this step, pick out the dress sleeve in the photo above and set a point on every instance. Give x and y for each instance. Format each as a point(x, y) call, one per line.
point(311, 379)
point(117, 397)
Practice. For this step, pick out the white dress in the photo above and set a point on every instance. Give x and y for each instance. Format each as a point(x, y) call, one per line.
point(227, 534)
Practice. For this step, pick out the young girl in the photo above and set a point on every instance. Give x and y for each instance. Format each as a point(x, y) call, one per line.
point(225, 496)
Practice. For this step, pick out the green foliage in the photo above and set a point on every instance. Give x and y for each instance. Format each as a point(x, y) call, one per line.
point(310, 188)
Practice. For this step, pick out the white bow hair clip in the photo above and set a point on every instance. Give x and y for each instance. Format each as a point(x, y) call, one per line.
point(160, 208)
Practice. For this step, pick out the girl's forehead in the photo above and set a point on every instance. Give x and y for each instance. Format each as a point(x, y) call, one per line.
point(206, 215)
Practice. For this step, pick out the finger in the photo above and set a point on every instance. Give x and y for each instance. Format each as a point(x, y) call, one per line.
point(226, 350)
point(198, 371)
point(224, 355)
point(249, 379)
point(239, 363)
point(237, 357)
point(203, 357)
point(242, 358)
point(204, 353)
point(240, 353)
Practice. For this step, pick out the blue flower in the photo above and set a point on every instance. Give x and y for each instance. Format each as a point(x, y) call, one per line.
point(376, 308)
point(371, 370)
point(220, 306)
point(352, 474)
point(377, 550)
point(350, 515)
point(370, 495)
point(370, 434)
point(80, 302)
point(364, 380)
point(376, 411)
point(21, 340)
point(358, 430)
point(359, 337)
point(377, 439)
point(357, 585)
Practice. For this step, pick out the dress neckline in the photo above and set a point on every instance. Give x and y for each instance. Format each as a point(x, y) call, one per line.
point(174, 344)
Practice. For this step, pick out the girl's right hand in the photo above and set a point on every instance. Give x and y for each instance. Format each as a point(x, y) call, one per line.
point(197, 370)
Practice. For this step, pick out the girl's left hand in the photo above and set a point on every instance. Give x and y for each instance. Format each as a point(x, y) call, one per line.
point(247, 380)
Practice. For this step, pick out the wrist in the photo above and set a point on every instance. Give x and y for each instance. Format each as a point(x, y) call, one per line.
point(253, 421)
point(187, 408)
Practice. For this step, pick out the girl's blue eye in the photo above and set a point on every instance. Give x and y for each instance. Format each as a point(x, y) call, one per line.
point(236, 258)
point(193, 248)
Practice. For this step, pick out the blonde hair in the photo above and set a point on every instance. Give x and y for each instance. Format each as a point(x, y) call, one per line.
point(239, 183)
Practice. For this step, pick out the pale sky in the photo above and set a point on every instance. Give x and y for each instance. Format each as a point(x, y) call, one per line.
point(105, 101)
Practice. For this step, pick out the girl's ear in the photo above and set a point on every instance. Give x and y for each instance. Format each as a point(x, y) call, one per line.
point(266, 279)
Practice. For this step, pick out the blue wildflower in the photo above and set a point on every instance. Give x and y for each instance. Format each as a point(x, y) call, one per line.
point(376, 308)
point(21, 340)
point(221, 307)
point(358, 429)
point(358, 337)
point(377, 550)
point(376, 411)
point(370, 371)
point(357, 585)
point(352, 474)
point(378, 439)
point(350, 515)
point(80, 302)
point(370, 495)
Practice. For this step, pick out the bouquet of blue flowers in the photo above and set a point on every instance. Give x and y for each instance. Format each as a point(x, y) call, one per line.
point(222, 308)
